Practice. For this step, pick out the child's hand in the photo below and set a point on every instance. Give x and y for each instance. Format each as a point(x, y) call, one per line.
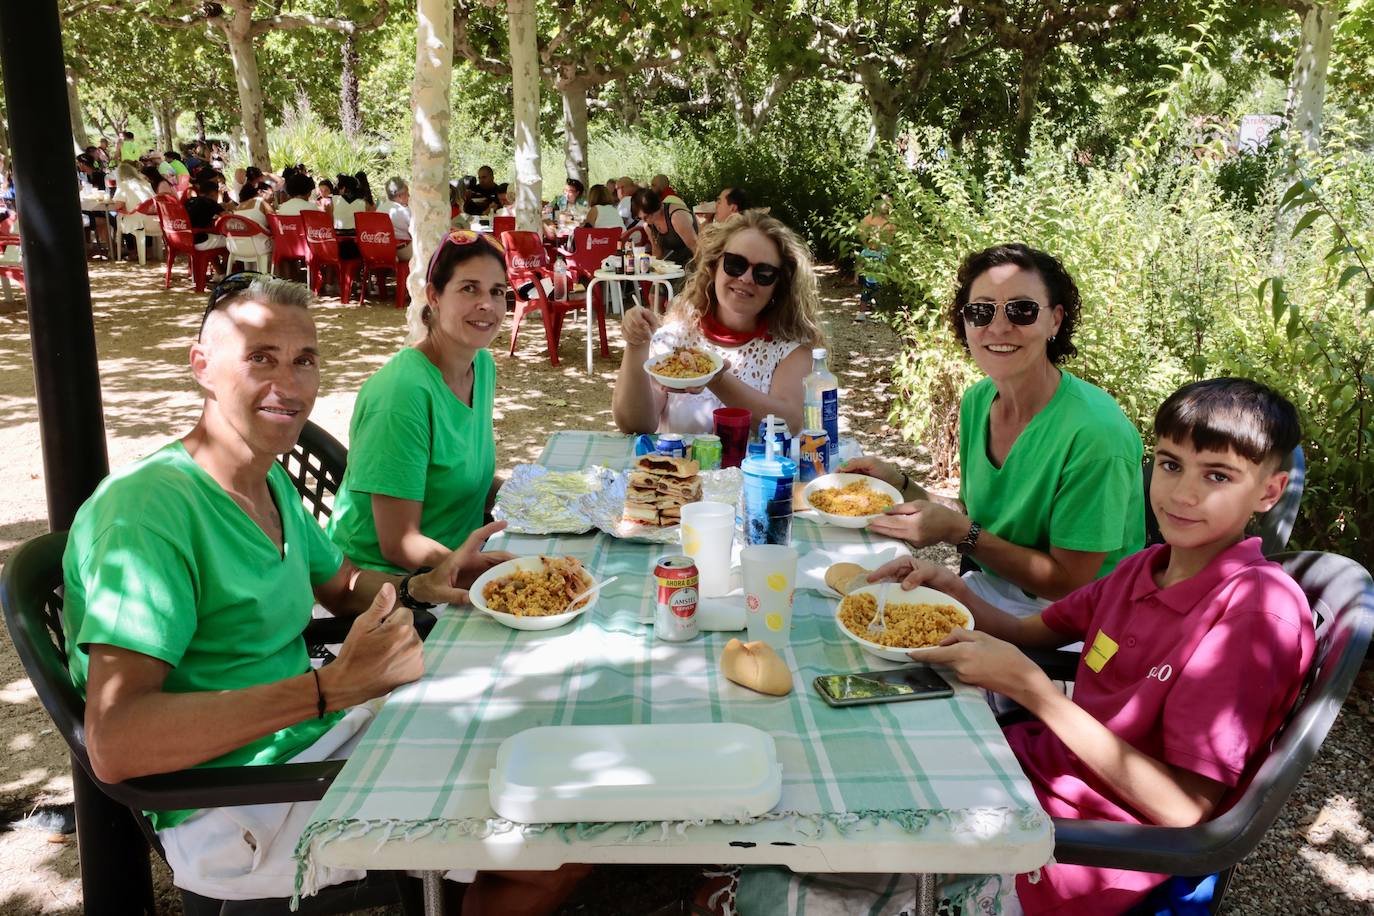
point(987, 662)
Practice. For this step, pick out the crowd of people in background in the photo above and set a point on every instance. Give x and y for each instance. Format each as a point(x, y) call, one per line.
point(652, 214)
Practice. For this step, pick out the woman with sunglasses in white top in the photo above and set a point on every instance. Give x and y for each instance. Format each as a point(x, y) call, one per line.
point(751, 299)
point(1050, 491)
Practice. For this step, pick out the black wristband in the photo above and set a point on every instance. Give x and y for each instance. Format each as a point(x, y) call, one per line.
point(406, 598)
point(319, 694)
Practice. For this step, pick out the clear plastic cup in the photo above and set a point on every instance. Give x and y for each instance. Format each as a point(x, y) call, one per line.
point(770, 582)
point(708, 532)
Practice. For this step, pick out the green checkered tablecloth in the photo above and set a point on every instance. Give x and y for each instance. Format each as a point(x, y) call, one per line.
point(422, 767)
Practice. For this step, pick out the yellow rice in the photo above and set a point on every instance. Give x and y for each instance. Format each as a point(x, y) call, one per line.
point(909, 626)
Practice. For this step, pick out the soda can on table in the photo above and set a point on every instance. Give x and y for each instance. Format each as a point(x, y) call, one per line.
point(671, 445)
point(813, 454)
point(706, 452)
point(676, 584)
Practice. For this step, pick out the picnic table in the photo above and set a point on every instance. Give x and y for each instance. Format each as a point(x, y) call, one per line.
point(927, 787)
point(615, 277)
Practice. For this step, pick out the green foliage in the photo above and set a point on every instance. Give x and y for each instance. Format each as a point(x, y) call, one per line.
point(1322, 308)
point(303, 137)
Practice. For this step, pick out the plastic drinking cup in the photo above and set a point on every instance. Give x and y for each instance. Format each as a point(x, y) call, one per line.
point(766, 501)
point(708, 531)
point(732, 425)
point(770, 582)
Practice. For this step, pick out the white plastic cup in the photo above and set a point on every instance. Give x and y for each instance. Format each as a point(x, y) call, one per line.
point(707, 532)
point(770, 583)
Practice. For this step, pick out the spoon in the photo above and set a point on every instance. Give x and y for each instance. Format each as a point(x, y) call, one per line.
point(591, 591)
point(878, 625)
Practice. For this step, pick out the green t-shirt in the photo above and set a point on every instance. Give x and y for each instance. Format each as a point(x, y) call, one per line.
point(161, 561)
point(411, 438)
point(1071, 480)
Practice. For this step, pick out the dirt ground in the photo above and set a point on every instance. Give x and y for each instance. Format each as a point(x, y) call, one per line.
point(1318, 859)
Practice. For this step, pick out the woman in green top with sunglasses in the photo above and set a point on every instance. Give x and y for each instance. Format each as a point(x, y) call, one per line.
point(1050, 489)
point(422, 456)
point(751, 299)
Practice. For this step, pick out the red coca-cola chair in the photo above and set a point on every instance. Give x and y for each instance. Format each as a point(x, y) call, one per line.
point(248, 243)
point(591, 247)
point(288, 243)
point(526, 268)
point(11, 265)
point(377, 242)
point(323, 247)
point(179, 239)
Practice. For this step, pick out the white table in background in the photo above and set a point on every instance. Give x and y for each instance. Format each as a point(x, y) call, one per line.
point(610, 276)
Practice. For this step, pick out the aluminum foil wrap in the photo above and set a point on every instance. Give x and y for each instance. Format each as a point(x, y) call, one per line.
point(538, 501)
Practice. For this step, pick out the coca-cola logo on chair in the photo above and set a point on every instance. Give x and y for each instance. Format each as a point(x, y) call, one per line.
point(179, 225)
point(373, 238)
point(525, 261)
point(319, 235)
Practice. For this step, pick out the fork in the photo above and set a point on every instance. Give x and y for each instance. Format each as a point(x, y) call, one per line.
point(591, 591)
point(878, 625)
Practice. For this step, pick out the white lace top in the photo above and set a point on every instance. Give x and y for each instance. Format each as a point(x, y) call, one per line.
point(752, 364)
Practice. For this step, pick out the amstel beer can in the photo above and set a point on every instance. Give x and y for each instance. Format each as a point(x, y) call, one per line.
point(675, 611)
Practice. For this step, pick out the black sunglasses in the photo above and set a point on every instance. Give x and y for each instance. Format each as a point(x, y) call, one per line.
point(1018, 311)
point(234, 283)
point(737, 265)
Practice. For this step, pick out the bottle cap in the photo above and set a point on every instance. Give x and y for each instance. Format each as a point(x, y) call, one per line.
point(819, 353)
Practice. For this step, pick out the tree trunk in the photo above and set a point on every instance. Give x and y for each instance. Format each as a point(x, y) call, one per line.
point(349, 113)
point(884, 106)
point(1307, 92)
point(78, 117)
point(524, 60)
point(575, 129)
point(238, 32)
point(165, 122)
point(1027, 94)
point(429, 100)
point(200, 126)
point(629, 103)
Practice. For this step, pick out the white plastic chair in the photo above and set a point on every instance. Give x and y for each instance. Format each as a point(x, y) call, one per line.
point(142, 224)
point(248, 243)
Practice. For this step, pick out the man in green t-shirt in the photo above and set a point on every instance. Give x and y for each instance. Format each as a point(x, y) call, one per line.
point(190, 576)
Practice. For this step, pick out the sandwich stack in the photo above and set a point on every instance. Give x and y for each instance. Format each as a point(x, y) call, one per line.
point(657, 488)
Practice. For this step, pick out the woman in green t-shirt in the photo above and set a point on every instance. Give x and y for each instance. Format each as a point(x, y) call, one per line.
point(422, 457)
point(1050, 491)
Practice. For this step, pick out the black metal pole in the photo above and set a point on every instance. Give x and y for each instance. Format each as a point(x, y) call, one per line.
point(115, 873)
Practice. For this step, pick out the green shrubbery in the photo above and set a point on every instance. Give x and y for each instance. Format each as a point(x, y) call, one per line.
point(1170, 268)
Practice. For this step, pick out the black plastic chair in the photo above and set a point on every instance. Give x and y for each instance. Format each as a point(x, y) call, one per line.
point(1341, 594)
point(1273, 527)
point(31, 594)
point(316, 466)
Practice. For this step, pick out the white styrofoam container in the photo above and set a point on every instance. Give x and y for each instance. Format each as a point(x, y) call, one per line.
point(559, 774)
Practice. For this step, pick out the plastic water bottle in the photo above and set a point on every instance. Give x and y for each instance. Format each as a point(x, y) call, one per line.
point(560, 280)
point(821, 403)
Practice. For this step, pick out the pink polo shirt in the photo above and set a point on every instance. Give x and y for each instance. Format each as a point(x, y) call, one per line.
point(1199, 675)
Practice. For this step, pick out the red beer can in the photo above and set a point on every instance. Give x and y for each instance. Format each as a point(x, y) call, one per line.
point(675, 610)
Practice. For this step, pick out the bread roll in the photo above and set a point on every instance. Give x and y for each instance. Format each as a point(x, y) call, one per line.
point(844, 577)
point(757, 666)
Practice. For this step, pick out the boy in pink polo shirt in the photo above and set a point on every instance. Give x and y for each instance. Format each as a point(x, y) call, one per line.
point(1194, 650)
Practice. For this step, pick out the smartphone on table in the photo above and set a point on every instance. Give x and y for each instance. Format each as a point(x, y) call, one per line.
point(913, 682)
